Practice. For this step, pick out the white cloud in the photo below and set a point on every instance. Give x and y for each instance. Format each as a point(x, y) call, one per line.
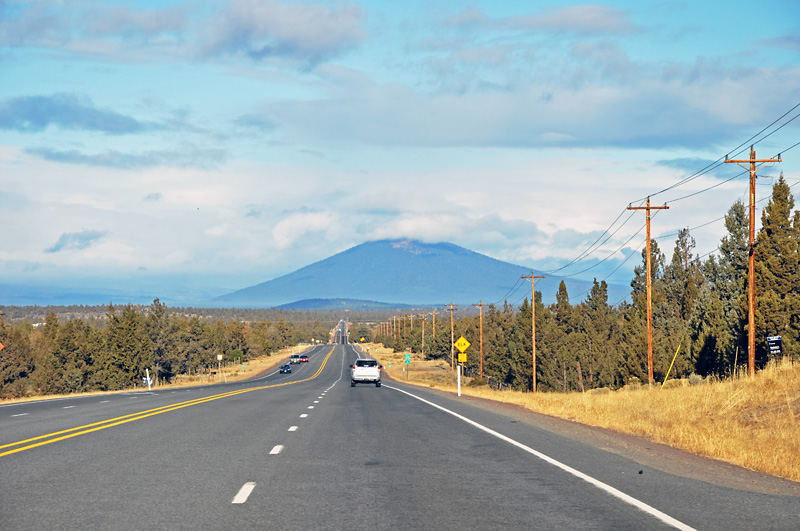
point(291, 228)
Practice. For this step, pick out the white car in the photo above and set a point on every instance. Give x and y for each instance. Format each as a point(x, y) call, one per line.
point(365, 371)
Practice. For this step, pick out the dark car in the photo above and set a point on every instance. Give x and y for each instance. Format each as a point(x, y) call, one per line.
point(303, 358)
point(285, 368)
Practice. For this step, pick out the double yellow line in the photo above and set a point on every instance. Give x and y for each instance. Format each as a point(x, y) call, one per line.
point(50, 438)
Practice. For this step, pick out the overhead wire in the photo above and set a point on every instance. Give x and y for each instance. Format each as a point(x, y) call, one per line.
point(595, 246)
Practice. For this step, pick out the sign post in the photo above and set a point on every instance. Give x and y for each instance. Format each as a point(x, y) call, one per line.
point(462, 345)
point(408, 362)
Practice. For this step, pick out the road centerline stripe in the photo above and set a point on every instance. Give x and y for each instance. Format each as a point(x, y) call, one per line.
point(101, 425)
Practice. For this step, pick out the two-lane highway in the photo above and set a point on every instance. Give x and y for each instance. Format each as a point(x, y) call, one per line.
point(307, 451)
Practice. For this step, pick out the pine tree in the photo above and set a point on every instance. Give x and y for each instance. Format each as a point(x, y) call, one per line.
point(777, 279)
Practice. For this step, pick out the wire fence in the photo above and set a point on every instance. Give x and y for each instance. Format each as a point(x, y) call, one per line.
point(493, 383)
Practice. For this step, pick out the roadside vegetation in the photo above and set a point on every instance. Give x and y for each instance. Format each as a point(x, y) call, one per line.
point(750, 422)
point(75, 355)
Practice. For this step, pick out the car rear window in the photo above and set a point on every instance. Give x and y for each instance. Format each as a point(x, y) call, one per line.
point(366, 363)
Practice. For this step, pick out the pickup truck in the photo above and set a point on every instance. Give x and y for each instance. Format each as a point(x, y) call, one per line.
point(365, 371)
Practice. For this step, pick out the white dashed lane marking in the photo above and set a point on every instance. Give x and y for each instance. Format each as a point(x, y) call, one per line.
point(244, 492)
point(304, 415)
point(278, 449)
point(19, 415)
point(293, 428)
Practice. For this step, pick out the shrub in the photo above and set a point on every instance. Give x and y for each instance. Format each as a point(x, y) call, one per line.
point(695, 379)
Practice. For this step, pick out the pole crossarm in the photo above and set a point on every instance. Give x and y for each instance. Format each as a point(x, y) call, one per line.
point(751, 259)
point(649, 282)
point(533, 325)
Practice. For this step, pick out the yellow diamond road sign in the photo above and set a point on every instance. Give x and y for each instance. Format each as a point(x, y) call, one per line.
point(462, 344)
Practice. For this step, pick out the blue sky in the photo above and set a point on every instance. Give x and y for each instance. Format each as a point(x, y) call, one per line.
point(205, 146)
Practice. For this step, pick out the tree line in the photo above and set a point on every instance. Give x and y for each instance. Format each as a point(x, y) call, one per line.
point(114, 351)
point(699, 310)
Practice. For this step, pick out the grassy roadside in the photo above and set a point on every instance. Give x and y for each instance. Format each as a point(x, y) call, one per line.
point(233, 373)
point(748, 422)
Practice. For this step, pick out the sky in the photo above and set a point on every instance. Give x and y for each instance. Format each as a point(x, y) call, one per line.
point(186, 149)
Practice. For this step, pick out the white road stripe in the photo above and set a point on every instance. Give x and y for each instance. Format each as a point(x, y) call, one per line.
point(310, 407)
point(19, 415)
point(244, 492)
point(293, 428)
point(278, 449)
point(316, 401)
point(667, 519)
point(68, 407)
point(104, 401)
point(304, 415)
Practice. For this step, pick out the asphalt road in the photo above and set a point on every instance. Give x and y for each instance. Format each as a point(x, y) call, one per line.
point(307, 451)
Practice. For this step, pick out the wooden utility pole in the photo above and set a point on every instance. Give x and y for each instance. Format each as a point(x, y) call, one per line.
point(452, 336)
point(751, 258)
point(533, 325)
point(480, 304)
point(433, 313)
point(422, 315)
point(405, 338)
point(648, 208)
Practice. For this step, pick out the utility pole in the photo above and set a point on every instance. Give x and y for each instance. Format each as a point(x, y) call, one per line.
point(433, 313)
point(405, 339)
point(480, 304)
point(533, 325)
point(648, 208)
point(452, 336)
point(422, 315)
point(751, 258)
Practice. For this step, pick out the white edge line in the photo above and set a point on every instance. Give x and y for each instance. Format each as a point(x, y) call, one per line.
point(244, 492)
point(667, 519)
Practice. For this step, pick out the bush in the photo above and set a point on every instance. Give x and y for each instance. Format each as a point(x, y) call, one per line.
point(478, 382)
point(695, 379)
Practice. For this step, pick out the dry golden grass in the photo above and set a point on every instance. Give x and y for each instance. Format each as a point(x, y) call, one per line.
point(750, 422)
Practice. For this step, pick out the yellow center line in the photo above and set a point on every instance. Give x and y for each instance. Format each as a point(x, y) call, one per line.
point(97, 426)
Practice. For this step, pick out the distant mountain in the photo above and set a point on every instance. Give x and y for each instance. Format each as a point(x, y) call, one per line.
point(337, 304)
point(406, 272)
